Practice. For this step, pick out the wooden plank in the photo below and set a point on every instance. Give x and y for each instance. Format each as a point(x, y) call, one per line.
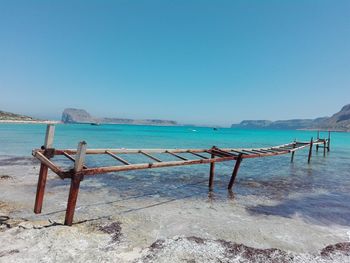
point(199, 155)
point(80, 156)
point(250, 152)
point(150, 151)
point(108, 169)
point(128, 151)
point(118, 158)
point(215, 153)
point(47, 162)
point(270, 151)
point(224, 153)
point(72, 159)
point(178, 156)
point(260, 150)
point(150, 156)
point(278, 149)
point(239, 152)
point(253, 151)
point(50, 132)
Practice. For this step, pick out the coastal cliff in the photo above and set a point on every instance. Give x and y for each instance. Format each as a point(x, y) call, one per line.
point(338, 122)
point(71, 115)
point(8, 116)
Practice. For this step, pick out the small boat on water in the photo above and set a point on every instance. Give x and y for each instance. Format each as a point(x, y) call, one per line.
point(95, 124)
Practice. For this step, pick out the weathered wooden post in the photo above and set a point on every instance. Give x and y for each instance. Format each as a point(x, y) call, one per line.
point(310, 150)
point(211, 175)
point(329, 140)
point(50, 131)
point(75, 183)
point(235, 171)
point(318, 137)
point(293, 152)
point(324, 148)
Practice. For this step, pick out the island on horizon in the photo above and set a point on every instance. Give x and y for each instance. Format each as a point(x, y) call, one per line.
point(339, 121)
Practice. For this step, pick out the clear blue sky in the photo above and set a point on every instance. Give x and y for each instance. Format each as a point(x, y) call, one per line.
point(211, 62)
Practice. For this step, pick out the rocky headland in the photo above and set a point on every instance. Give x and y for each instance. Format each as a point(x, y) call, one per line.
point(72, 115)
point(340, 121)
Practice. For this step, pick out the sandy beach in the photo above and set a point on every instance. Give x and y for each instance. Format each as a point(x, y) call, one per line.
point(112, 227)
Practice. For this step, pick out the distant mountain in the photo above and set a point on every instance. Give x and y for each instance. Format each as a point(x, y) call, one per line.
point(72, 115)
point(338, 122)
point(8, 116)
point(252, 124)
point(280, 124)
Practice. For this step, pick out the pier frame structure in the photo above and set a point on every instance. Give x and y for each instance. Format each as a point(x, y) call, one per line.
point(200, 156)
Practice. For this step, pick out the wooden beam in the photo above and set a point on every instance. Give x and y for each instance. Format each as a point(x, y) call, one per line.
point(50, 132)
point(278, 149)
point(251, 151)
point(108, 169)
point(234, 173)
point(239, 152)
point(293, 152)
point(128, 151)
point(72, 159)
point(260, 151)
point(80, 157)
point(72, 200)
point(211, 175)
point(44, 160)
point(271, 151)
point(45, 163)
point(117, 158)
point(40, 190)
point(150, 156)
point(178, 156)
point(196, 154)
point(215, 153)
point(223, 153)
point(310, 151)
point(75, 183)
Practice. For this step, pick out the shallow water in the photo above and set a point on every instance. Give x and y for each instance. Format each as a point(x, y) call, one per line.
point(318, 192)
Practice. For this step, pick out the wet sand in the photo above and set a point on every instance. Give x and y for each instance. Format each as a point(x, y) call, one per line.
point(118, 226)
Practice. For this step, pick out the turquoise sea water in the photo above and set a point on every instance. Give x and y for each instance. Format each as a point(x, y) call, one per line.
point(20, 139)
point(323, 186)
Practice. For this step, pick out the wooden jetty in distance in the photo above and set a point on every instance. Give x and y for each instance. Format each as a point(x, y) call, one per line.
point(200, 156)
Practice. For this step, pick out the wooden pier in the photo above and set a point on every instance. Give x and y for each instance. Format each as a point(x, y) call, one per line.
point(200, 156)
